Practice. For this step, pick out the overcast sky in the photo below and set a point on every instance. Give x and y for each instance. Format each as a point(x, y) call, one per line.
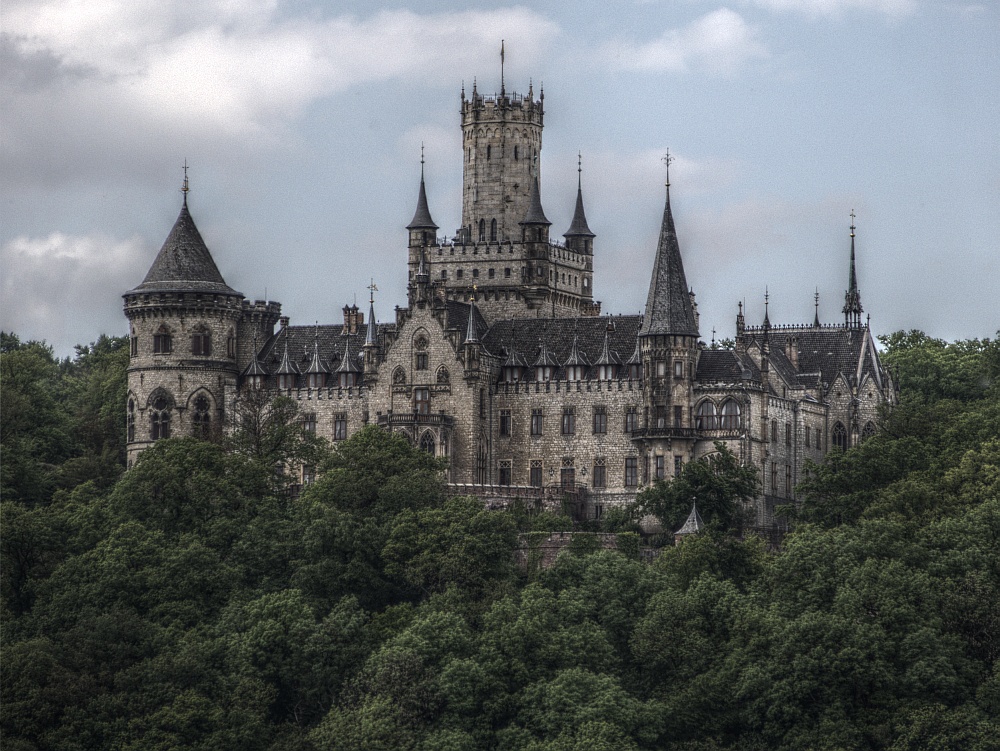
point(302, 121)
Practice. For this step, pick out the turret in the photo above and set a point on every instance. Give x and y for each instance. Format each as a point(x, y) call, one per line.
point(578, 236)
point(423, 230)
point(534, 225)
point(370, 349)
point(183, 323)
point(852, 299)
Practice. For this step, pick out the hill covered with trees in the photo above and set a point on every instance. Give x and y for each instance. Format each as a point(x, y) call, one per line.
point(194, 603)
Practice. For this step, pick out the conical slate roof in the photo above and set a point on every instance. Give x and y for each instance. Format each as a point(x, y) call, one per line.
point(668, 305)
point(422, 216)
point(578, 227)
point(184, 263)
point(535, 214)
point(693, 525)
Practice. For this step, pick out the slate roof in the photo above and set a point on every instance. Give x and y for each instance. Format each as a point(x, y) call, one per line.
point(693, 524)
point(723, 366)
point(458, 319)
point(578, 227)
point(184, 263)
point(303, 341)
point(422, 216)
point(668, 304)
point(535, 214)
point(557, 336)
point(828, 351)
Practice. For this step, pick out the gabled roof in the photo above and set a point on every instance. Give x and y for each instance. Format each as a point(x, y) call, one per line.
point(184, 263)
point(668, 304)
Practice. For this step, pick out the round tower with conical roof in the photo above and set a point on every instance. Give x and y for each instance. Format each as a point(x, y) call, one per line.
point(183, 327)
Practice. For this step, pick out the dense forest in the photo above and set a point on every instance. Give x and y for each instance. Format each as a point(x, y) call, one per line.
point(195, 603)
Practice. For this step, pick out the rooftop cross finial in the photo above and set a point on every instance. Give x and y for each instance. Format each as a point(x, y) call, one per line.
point(667, 159)
point(185, 188)
point(579, 169)
point(816, 303)
point(372, 289)
point(421, 161)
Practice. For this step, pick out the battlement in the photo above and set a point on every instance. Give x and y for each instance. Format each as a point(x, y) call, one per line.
point(797, 328)
point(262, 307)
point(502, 107)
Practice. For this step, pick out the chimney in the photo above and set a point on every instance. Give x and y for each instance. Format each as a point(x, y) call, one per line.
point(283, 322)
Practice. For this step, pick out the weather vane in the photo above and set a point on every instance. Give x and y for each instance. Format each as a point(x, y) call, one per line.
point(667, 159)
point(185, 188)
point(852, 223)
point(372, 290)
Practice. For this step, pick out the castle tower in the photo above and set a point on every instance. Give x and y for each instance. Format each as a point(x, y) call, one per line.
point(669, 342)
point(578, 236)
point(502, 145)
point(183, 324)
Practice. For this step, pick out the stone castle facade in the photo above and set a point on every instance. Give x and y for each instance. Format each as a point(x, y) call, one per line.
point(500, 361)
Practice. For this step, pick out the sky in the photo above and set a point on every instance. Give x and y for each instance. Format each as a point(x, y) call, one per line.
point(302, 123)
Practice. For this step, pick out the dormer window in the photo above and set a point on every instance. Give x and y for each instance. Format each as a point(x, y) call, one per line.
point(348, 380)
point(511, 374)
point(574, 373)
point(317, 380)
point(606, 372)
point(543, 373)
point(256, 381)
point(286, 380)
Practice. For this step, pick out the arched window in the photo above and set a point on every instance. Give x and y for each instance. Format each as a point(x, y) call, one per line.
point(231, 345)
point(493, 230)
point(133, 344)
point(159, 418)
point(706, 417)
point(730, 415)
point(427, 442)
point(489, 152)
point(774, 431)
point(515, 153)
point(868, 431)
point(840, 436)
point(162, 341)
point(201, 342)
point(399, 376)
point(131, 420)
point(201, 421)
point(482, 230)
point(443, 376)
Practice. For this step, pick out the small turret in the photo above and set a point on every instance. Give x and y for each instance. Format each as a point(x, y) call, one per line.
point(852, 299)
point(318, 370)
point(287, 372)
point(693, 525)
point(578, 236)
point(535, 226)
point(423, 230)
point(348, 371)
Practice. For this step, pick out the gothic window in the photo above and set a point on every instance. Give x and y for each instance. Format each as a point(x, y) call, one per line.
point(482, 230)
point(774, 431)
point(678, 415)
point(505, 473)
point(788, 434)
point(661, 467)
point(774, 478)
point(443, 376)
point(678, 465)
point(489, 152)
point(201, 342)
point(505, 423)
point(482, 402)
point(131, 420)
point(340, 426)
point(231, 345)
point(399, 376)
point(162, 341)
point(201, 420)
point(868, 431)
point(730, 415)
point(600, 476)
point(631, 419)
point(600, 420)
point(422, 401)
point(309, 422)
point(631, 472)
point(536, 422)
point(788, 480)
point(535, 473)
point(420, 361)
point(840, 436)
point(133, 345)
point(493, 230)
point(159, 418)
point(568, 421)
point(705, 417)
point(807, 431)
point(515, 153)
point(819, 439)
point(427, 442)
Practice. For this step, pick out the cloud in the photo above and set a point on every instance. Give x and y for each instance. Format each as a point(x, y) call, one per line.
point(67, 288)
point(720, 42)
point(838, 7)
point(107, 81)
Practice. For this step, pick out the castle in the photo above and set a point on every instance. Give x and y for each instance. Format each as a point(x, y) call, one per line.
point(501, 361)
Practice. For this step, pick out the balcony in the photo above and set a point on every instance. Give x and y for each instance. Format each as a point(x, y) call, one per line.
point(409, 419)
point(664, 432)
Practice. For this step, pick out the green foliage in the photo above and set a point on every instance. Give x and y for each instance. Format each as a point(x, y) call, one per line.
point(719, 483)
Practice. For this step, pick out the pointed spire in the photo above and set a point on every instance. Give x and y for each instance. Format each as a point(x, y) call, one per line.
point(816, 304)
point(575, 358)
point(535, 214)
point(347, 365)
point(317, 365)
point(852, 300)
point(371, 332)
point(471, 328)
point(255, 368)
point(287, 366)
point(184, 262)
point(422, 216)
point(578, 227)
point(668, 304)
point(693, 525)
